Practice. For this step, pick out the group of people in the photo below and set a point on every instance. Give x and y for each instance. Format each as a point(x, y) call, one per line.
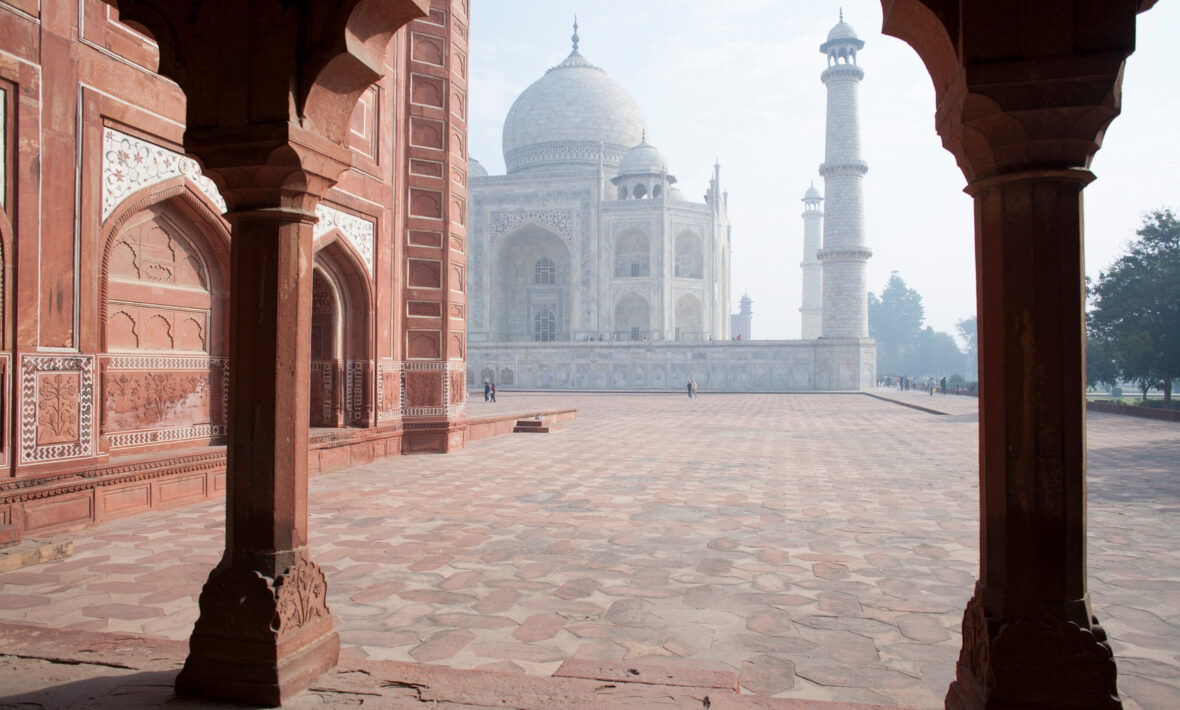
point(692, 388)
point(489, 391)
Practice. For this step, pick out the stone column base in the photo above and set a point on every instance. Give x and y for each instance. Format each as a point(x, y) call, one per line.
point(1041, 663)
point(260, 639)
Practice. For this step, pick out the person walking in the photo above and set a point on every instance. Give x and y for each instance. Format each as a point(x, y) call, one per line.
point(493, 393)
point(689, 386)
point(692, 388)
point(487, 391)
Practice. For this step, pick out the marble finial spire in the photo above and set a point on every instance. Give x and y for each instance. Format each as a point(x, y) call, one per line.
point(841, 18)
point(574, 37)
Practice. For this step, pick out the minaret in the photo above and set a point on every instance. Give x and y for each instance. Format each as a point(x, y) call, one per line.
point(812, 270)
point(741, 322)
point(844, 256)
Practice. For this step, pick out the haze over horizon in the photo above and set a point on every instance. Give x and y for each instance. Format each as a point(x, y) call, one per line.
point(743, 88)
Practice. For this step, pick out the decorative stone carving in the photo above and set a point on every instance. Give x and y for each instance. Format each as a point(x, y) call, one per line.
point(130, 164)
point(243, 604)
point(57, 407)
point(358, 231)
point(151, 399)
point(301, 597)
point(389, 392)
point(1041, 662)
point(560, 221)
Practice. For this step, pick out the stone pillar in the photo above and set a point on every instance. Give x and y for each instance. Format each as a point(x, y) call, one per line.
point(270, 90)
point(811, 309)
point(1023, 105)
point(844, 256)
point(265, 631)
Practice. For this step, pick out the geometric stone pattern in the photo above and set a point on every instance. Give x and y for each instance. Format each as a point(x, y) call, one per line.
point(733, 532)
point(57, 407)
point(429, 387)
point(130, 163)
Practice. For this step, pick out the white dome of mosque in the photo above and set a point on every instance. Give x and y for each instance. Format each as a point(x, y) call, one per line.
point(812, 194)
point(475, 168)
point(842, 30)
point(561, 120)
point(643, 158)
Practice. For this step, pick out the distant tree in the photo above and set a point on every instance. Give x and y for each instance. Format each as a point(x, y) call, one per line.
point(1137, 305)
point(895, 320)
point(968, 332)
point(936, 354)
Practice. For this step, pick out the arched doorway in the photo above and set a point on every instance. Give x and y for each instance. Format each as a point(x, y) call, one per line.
point(531, 287)
point(162, 327)
point(689, 318)
point(632, 317)
point(340, 338)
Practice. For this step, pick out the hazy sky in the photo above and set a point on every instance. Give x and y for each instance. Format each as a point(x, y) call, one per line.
point(743, 87)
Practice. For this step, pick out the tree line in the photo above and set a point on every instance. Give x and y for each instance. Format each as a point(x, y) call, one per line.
point(906, 346)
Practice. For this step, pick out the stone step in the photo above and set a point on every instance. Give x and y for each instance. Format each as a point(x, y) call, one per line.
point(534, 426)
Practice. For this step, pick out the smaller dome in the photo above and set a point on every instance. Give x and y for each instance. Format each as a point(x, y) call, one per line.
point(474, 169)
point(643, 159)
point(842, 30)
point(811, 194)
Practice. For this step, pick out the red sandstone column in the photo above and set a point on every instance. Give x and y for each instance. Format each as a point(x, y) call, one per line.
point(265, 631)
point(1029, 639)
point(1023, 105)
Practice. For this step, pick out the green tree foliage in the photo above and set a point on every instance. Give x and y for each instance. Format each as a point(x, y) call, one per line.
point(1137, 306)
point(904, 346)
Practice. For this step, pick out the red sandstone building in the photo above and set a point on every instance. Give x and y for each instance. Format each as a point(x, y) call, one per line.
point(116, 360)
point(322, 120)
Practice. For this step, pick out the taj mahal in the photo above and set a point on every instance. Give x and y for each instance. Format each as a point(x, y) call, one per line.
point(592, 267)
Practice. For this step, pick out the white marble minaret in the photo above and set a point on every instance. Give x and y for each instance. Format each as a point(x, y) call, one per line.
point(813, 218)
point(844, 255)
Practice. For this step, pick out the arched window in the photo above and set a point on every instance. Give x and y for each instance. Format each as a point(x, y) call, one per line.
point(656, 191)
point(689, 257)
point(640, 191)
point(544, 326)
point(545, 272)
point(632, 254)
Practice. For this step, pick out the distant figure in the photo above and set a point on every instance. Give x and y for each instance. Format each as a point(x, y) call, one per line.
point(692, 388)
point(942, 384)
point(487, 391)
point(493, 393)
point(689, 386)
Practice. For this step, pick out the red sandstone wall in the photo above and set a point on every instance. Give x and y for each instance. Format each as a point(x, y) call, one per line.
point(112, 340)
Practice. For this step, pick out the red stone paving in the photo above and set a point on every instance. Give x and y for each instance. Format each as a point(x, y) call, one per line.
point(815, 546)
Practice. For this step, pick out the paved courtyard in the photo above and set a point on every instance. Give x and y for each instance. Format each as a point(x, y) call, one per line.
point(822, 546)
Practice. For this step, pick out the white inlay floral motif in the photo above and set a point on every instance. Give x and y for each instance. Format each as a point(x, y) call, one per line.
point(358, 232)
point(130, 164)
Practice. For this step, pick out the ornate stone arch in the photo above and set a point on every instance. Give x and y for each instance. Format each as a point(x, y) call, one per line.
point(346, 373)
point(209, 225)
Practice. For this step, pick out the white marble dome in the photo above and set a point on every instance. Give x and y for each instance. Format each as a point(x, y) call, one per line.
point(475, 169)
point(842, 30)
point(559, 122)
point(643, 159)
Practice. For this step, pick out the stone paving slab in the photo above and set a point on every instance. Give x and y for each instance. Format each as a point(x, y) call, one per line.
point(820, 547)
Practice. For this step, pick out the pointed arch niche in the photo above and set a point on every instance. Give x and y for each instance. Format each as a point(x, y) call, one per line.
point(162, 320)
point(341, 337)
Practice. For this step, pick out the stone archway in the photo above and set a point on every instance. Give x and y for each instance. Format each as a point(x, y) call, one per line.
point(689, 318)
point(530, 283)
point(340, 337)
point(162, 327)
point(632, 317)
